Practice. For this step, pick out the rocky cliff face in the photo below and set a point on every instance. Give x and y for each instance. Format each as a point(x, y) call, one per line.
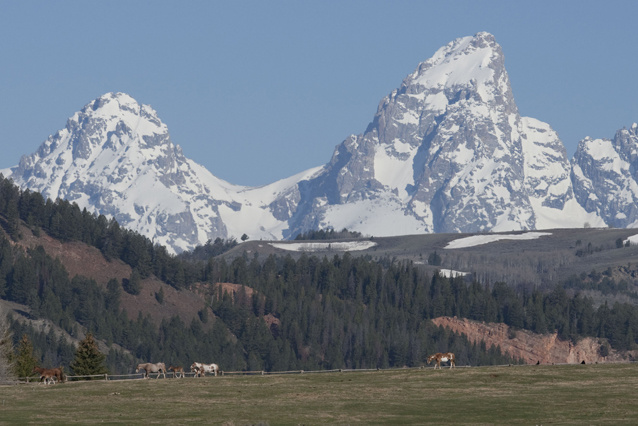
point(446, 152)
point(605, 177)
point(531, 347)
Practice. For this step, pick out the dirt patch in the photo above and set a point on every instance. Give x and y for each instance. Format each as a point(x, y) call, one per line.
point(81, 259)
point(182, 303)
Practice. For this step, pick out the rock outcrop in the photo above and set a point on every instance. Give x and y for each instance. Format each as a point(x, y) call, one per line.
point(531, 347)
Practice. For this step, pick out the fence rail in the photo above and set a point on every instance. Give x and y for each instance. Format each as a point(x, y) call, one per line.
point(140, 376)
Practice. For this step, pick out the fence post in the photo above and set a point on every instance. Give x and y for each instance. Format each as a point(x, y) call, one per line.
point(106, 377)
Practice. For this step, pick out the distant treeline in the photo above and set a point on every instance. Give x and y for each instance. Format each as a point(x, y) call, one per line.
point(329, 234)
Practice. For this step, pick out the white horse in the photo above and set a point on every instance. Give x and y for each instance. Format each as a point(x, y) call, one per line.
point(159, 368)
point(201, 369)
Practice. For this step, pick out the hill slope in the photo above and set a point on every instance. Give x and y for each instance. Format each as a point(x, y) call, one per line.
point(533, 258)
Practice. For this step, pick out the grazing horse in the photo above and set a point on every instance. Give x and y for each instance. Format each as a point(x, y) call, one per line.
point(177, 371)
point(148, 367)
point(439, 358)
point(50, 375)
point(201, 369)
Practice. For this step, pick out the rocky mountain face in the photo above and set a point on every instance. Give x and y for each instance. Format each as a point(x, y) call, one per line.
point(115, 157)
point(605, 177)
point(446, 152)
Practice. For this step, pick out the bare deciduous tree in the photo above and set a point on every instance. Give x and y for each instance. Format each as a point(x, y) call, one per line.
point(6, 353)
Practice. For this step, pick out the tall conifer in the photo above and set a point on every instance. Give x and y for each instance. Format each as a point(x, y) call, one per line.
point(25, 361)
point(88, 358)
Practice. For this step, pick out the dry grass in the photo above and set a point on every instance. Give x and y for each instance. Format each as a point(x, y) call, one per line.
point(575, 394)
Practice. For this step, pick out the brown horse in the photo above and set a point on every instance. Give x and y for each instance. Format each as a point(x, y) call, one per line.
point(177, 371)
point(50, 375)
point(159, 368)
point(439, 357)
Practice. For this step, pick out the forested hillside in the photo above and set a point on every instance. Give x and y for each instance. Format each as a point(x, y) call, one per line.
point(306, 313)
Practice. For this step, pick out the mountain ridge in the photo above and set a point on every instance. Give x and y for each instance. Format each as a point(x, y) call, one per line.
point(446, 152)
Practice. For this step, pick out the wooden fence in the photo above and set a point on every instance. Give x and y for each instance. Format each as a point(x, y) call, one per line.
point(170, 375)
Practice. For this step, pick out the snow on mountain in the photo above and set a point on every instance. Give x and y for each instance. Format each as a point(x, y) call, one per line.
point(445, 152)
point(548, 180)
point(115, 157)
point(605, 177)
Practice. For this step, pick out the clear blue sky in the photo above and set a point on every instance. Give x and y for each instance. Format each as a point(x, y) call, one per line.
point(257, 91)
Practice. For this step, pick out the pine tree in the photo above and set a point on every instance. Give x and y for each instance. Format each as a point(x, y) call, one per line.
point(25, 361)
point(88, 358)
point(133, 284)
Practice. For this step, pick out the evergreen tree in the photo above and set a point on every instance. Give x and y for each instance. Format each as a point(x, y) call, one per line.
point(25, 361)
point(133, 284)
point(88, 358)
point(113, 294)
point(434, 259)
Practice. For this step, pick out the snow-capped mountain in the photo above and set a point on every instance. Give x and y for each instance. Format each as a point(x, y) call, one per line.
point(446, 152)
point(605, 177)
point(115, 157)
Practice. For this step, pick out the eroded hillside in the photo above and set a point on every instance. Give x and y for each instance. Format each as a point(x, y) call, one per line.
point(534, 348)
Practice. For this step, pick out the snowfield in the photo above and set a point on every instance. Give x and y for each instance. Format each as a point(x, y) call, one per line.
point(477, 240)
point(335, 246)
point(633, 240)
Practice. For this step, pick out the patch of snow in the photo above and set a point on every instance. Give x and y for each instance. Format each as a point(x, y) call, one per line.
point(392, 171)
point(326, 246)
point(572, 215)
point(477, 240)
point(383, 216)
point(633, 240)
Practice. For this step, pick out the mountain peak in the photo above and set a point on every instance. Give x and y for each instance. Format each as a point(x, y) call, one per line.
point(464, 60)
point(112, 103)
point(117, 107)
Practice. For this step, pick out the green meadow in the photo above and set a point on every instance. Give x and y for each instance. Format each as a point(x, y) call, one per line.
point(532, 395)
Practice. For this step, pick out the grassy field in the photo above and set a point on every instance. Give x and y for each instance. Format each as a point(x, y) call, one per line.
point(566, 394)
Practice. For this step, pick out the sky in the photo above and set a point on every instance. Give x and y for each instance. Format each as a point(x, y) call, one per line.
point(257, 91)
